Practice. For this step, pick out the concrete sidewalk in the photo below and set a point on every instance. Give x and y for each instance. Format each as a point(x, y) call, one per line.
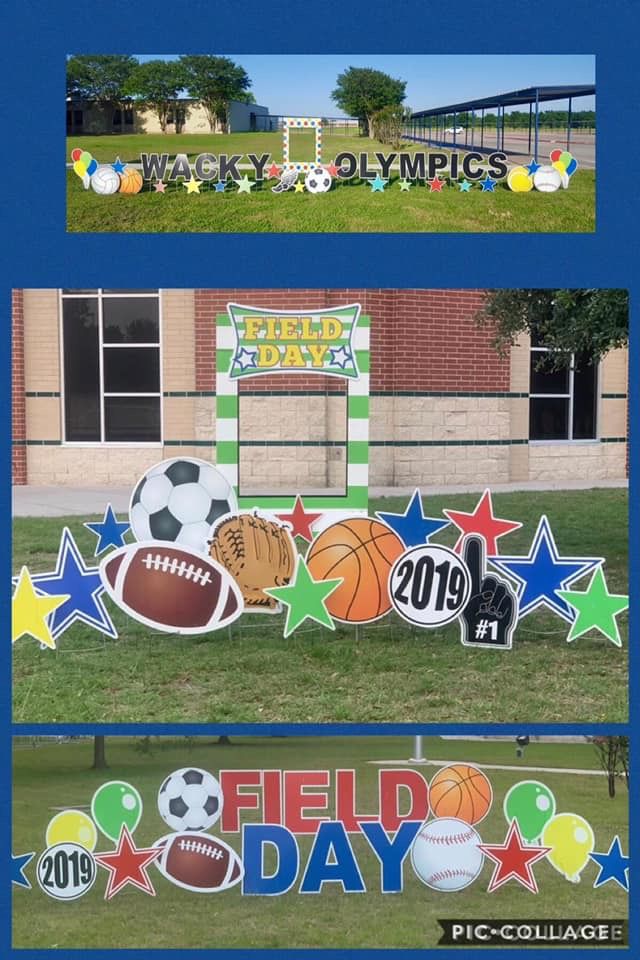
point(50, 501)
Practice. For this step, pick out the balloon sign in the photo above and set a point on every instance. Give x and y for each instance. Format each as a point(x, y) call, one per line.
point(572, 841)
point(565, 163)
point(114, 805)
point(84, 166)
point(72, 826)
point(532, 805)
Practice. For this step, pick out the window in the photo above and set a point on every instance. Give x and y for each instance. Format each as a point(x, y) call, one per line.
point(111, 366)
point(117, 117)
point(563, 402)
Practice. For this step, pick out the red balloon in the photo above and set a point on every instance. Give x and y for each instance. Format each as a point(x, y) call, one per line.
point(75, 154)
point(555, 155)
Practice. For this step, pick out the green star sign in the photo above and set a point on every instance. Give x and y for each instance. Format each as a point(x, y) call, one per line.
point(596, 609)
point(305, 598)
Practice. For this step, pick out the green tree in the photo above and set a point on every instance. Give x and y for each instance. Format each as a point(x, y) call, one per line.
point(590, 321)
point(389, 125)
point(99, 754)
point(613, 754)
point(214, 81)
point(361, 92)
point(100, 77)
point(157, 83)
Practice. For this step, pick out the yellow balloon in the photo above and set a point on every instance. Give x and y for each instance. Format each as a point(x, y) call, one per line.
point(560, 166)
point(571, 840)
point(79, 168)
point(519, 180)
point(72, 826)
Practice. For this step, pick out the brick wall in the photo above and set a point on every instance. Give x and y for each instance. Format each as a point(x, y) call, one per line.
point(19, 421)
point(420, 339)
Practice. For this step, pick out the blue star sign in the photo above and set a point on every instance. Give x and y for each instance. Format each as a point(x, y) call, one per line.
point(110, 532)
point(84, 587)
point(340, 356)
point(543, 571)
point(412, 526)
point(245, 358)
point(488, 185)
point(378, 184)
point(613, 866)
point(18, 865)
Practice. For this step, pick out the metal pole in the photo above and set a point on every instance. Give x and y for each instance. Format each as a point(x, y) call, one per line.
point(417, 751)
point(535, 156)
point(473, 127)
point(530, 109)
point(482, 130)
point(498, 128)
point(454, 128)
point(569, 125)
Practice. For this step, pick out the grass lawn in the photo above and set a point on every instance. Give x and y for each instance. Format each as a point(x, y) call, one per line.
point(382, 672)
point(349, 206)
point(58, 775)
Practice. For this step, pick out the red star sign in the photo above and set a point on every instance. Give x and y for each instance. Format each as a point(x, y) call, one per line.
point(513, 860)
point(127, 864)
point(274, 170)
point(331, 169)
point(436, 185)
point(301, 520)
point(483, 522)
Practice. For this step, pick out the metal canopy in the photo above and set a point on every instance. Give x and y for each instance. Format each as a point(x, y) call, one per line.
point(513, 99)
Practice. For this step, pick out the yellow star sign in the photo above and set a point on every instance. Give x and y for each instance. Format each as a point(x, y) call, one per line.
point(299, 187)
point(193, 186)
point(29, 611)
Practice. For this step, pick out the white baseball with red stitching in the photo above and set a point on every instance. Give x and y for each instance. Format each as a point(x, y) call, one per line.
point(446, 855)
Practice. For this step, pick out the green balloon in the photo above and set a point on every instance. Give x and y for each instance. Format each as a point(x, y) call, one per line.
point(532, 804)
point(86, 158)
point(565, 158)
point(114, 805)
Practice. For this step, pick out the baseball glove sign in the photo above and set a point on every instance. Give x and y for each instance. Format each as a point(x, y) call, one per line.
point(258, 553)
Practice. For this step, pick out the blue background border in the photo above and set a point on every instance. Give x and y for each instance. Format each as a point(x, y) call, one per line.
point(38, 252)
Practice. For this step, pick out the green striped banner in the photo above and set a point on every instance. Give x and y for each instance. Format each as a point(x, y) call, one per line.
point(230, 339)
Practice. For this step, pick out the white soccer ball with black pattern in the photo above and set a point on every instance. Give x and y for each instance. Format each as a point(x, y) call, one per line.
point(318, 180)
point(178, 501)
point(190, 799)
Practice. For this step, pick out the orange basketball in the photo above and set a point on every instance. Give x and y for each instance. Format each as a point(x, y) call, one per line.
point(362, 552)
point(461, 791)
point(130, 180)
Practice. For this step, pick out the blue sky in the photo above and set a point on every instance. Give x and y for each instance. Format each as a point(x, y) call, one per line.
point(302, 85)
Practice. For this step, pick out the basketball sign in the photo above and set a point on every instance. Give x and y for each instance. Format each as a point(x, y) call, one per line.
point(429, 585)
point(460, 790)
point(362, 552)
point(66, 871)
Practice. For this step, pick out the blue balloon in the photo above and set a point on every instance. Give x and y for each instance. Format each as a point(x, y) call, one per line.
point(571, 166)
point(93, 166)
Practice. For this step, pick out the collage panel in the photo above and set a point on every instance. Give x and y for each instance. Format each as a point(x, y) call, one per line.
point(375, 144)
point(320, 506)
point(388, 842)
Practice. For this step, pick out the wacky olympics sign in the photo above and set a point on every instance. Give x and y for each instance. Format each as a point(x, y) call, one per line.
point(302, 831)
point(226, 173)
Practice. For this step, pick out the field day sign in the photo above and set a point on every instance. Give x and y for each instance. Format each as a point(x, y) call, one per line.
point(225, 173)
point(305, 831)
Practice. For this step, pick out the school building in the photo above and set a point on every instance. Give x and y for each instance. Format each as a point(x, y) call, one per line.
point(108, 382)
point(89, 117)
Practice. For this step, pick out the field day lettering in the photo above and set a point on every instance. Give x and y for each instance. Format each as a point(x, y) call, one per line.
point(311, 339)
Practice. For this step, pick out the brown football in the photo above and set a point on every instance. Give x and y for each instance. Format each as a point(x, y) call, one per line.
point(198, 862)
point(171, 588)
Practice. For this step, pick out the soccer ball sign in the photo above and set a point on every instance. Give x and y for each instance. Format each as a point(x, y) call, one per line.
point(318, 180)
point(179, 500)
point(190, 799)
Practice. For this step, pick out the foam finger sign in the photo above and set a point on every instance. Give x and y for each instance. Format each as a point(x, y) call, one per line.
point(446, 854)
point(66, 871)
point(429, 585)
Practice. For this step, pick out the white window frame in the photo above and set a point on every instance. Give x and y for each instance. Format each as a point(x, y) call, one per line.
point(100, 295)
point(570, 397)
